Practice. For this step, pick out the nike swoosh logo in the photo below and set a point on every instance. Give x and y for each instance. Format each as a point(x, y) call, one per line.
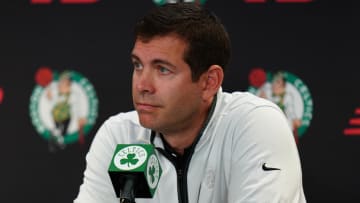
point(265, 168)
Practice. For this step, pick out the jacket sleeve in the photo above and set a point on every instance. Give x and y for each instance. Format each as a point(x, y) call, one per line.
point(97, 186)
point(265, 165)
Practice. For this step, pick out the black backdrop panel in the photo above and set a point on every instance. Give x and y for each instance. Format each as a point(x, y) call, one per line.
point(317, 41)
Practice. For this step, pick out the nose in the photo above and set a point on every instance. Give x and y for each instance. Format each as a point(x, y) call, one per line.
point(143, 82)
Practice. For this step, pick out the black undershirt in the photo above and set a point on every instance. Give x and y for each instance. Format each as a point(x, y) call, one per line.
point(178, 159)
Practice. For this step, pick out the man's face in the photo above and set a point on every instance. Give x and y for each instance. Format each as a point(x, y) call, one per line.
point(164, 96)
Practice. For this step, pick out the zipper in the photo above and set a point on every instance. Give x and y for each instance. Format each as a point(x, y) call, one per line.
point(180, 178)
point(180, 168)
point(181, 174)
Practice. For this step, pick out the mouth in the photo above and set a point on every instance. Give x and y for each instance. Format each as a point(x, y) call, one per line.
point(145, 107)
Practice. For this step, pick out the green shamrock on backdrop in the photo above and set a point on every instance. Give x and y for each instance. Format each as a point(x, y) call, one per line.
point(130, 160)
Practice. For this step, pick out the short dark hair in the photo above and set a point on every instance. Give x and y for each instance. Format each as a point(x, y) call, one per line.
point(208, 41)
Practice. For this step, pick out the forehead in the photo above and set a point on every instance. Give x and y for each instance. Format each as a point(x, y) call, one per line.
point(160, 45)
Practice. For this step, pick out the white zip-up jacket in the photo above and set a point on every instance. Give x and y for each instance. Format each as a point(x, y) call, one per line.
point(246, 153)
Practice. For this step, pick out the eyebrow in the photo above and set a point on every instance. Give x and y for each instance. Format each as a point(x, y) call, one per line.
point(133, 56)
point(155, 61)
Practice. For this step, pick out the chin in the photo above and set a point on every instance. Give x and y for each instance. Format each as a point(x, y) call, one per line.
point(146, 123)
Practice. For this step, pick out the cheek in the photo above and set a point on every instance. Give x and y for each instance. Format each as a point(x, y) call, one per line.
point(183, 96)
point(133, 84)
point(133, 81)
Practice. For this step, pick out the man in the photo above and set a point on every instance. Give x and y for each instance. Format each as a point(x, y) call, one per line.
point(66, 112)
point(215, 147)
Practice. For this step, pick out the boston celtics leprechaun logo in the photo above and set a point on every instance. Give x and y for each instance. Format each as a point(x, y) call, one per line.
point(63, 107)
point(287, 91)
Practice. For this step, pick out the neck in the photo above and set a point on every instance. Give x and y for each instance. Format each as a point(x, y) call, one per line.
point(180, 141)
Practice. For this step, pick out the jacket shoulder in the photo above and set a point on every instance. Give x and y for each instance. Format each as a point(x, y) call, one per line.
point(245, 102)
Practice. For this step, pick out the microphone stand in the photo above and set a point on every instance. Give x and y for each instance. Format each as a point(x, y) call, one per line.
point(127, 192)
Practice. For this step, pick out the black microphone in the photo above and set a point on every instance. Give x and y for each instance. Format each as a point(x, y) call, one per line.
point(134, 171)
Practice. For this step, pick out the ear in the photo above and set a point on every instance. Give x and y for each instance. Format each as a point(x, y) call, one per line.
point(212, 80)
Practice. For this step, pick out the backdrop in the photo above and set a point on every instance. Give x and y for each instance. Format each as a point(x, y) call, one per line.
point(44, 43)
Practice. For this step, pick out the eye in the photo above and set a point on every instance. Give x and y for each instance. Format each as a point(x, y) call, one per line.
point(137, 65)
point(164, 70)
